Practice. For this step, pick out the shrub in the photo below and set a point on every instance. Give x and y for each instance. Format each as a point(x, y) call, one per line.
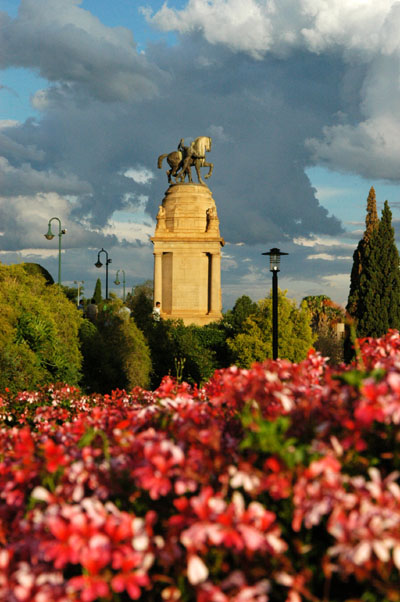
point(253, 341)
point(183, 351)
point(38, 332)
point(115, 352)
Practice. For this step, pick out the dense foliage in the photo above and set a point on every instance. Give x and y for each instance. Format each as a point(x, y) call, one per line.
point(38, 331)
point(253, 341)
point(236, 317)
point(243, 336)
point(191, 353)
point(115, 352)
point(278, 483)
point(186, 352)
point(36, 269)
point(140, 302)
point(374, 299)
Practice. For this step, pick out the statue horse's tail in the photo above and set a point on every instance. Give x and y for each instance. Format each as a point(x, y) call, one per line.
point(161, 159)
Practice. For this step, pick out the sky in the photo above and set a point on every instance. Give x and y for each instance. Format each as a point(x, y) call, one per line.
point(300, 97)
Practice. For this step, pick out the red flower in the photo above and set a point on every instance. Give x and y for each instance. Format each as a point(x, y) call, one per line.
point(54, 455)
point(90, 588)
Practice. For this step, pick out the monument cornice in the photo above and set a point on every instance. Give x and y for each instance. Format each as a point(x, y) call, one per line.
point(182, 238)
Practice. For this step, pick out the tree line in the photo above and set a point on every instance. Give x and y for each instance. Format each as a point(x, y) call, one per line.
point(44, 338)
point(374, 298)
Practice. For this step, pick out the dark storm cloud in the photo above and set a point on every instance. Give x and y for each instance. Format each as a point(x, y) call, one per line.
point(13, 150)
point(265, 110)
point(27, 181)
point(259, 113)
point(64, 43)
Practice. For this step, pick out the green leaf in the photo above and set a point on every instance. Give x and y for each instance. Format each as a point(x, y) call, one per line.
point(270, 437)
point(355, 378)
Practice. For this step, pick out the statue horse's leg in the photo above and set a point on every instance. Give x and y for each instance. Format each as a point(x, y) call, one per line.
point(174, 167)
point(178, 174)
point(197, 164)
point(174, 174)
point(211, 167)
point(185, 171)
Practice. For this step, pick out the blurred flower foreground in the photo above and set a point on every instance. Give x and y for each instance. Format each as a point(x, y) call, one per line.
point(277, 483)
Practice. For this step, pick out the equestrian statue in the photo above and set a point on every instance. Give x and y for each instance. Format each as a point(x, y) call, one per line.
point(182, 160)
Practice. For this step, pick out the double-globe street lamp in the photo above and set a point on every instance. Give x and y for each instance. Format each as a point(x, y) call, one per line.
point(98, 264)
point(274, 264)
point(50, 236)
point(117, 281)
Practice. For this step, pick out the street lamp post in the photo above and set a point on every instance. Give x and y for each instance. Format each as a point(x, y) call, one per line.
point(274, 264)
point(98, 264)
point(117, 281)
point(50, 236)
point(78, 283)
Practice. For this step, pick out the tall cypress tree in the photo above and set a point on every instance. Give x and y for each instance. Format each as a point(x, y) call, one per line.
point(375, 301)
point(97, 292)
point(371, 224)
point(390, 266)
point(371, 219)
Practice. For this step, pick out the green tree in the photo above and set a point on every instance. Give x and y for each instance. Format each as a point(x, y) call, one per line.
point(375, 280)
point(379, 302)
point(39, 341)
point(181, 351)
point(141, 305)
point(250, 345)
point(71, 292)
point(193, 347)
point(254, 343)
point(146, 288)
point(35, 269)
point(115, 352)
point(97, 292)
point(244, 307)
point(359, 255)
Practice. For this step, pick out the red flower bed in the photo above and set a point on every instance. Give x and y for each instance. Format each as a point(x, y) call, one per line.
point(278, 483)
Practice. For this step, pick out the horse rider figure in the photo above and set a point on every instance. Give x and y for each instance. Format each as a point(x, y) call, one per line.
point(188, 157)
point(182, 160)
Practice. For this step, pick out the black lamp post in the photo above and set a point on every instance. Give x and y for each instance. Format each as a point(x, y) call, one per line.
point(49, 235)
point(274, 264)
point(98, 264)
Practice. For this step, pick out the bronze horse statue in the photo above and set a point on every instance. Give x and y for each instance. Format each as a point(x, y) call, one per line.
point(186, 157)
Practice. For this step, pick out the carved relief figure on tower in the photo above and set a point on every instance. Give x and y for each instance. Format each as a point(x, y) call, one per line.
point(212, 220)
point(182, 160)
point(161, 218)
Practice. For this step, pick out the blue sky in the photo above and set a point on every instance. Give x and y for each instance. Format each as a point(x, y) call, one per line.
point(300, 97)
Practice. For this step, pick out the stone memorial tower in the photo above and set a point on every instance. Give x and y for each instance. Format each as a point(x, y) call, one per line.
point(187, 241)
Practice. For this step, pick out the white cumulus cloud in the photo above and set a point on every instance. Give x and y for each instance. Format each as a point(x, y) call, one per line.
point(362, 32)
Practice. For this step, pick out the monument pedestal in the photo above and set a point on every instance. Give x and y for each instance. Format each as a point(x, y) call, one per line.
point(187, 255)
